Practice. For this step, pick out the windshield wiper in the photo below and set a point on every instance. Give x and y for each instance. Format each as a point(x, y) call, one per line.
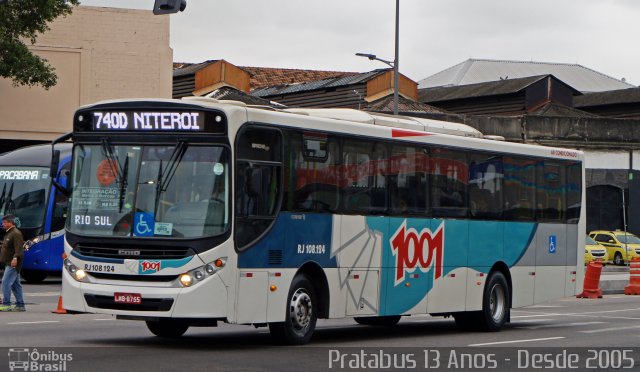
point(112, 160)
point(10, 207)
point(120, 173)
point(123, 184)
point(165, 176)
point(4, 191)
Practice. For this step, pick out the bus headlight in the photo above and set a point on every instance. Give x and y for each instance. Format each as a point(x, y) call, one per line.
point(200, 273)
point(77, 274)
point(186, 280)
point(30, 243)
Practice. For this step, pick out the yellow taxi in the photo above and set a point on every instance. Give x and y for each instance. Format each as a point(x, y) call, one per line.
point(594, 251)
point(621, 246)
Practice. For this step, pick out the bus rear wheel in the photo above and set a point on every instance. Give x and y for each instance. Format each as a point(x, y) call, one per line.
point(300, 316)
point(495, 307)
point(495, 302)
point(381, 321)
point(167, 328)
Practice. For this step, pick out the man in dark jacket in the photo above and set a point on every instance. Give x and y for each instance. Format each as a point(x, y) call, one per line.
point(11, 254)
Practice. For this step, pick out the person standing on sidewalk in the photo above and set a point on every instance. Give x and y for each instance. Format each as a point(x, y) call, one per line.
point(11, 254)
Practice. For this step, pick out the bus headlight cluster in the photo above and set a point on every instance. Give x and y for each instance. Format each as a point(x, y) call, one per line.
point(30, 243)
point(192, 277)
point(77, 274)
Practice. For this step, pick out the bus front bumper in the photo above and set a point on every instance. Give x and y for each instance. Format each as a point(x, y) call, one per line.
point(206, 299)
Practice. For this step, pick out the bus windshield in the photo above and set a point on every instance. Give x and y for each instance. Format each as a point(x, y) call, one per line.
point(23, 193)
point(162, 191)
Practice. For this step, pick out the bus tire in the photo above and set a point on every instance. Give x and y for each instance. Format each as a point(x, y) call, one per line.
point(379, 321)
point(32, 276)
point(495, 302)
point(167, 328)
point(300, 316)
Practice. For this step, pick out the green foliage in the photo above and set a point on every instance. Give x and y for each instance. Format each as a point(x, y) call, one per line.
point(21, 21)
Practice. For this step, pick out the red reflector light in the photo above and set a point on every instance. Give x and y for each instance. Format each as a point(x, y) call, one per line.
point(249, 275)
point(278, 274)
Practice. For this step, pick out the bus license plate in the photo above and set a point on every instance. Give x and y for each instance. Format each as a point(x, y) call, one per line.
point(127, 298)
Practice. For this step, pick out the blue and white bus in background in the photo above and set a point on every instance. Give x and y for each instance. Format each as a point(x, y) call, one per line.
point(196, 211)
point(27, 192)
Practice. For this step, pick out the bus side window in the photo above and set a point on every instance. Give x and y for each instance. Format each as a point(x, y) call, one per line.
point(574, 187)
point(485, 186)
point(519, 188)
point(449, 180)
point(409, 167)
point(364, 177)
point(551, 194)
point(258, 183)
point(313, 173)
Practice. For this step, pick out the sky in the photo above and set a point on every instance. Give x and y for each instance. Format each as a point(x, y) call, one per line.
point(434, 34)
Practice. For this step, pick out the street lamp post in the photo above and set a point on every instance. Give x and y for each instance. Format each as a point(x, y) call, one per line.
point(393, 64)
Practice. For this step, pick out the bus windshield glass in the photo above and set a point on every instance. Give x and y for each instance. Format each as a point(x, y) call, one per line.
point(23, 193)
point(161, 191)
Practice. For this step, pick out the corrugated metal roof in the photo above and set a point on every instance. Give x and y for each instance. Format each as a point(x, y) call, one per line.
point(474, 71)
point(492, 88)
point(556, 109)
point(192, 68)
point(318, 84)
point(385, 104)
point(608, 98)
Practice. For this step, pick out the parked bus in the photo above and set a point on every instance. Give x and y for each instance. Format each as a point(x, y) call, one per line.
point(27, 191)
point(195, 211)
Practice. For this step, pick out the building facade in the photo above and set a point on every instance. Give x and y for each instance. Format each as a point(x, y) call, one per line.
point(98, 54)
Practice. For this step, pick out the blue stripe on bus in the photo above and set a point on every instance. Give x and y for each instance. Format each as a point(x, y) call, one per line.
point(295, 239)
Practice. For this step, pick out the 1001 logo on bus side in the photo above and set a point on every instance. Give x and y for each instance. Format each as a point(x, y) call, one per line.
point(417, 250)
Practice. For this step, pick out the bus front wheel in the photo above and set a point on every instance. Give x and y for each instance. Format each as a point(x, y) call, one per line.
point(300, 316)
point(167, 328)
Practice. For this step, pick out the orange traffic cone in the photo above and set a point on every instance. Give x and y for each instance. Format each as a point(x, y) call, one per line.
point(634, 278)
point(592, 281)
point(60, 309)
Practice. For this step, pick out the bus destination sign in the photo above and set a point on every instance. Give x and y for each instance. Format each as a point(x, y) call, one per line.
point(139, 121)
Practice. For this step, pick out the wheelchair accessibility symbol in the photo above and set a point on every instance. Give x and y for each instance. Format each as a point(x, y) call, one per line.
point(143, 224)
point(553, 244)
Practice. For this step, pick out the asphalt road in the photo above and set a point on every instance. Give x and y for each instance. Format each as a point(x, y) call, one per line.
point(100, 342)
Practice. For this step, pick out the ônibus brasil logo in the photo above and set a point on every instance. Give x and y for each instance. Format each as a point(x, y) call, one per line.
point(417, 250)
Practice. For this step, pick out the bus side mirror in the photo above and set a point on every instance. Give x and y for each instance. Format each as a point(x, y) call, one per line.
point(53, 174)
point(169, 6)
point(55, 161)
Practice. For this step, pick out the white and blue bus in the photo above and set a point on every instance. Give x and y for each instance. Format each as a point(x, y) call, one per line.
point(27, 191)
point(192, 212)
